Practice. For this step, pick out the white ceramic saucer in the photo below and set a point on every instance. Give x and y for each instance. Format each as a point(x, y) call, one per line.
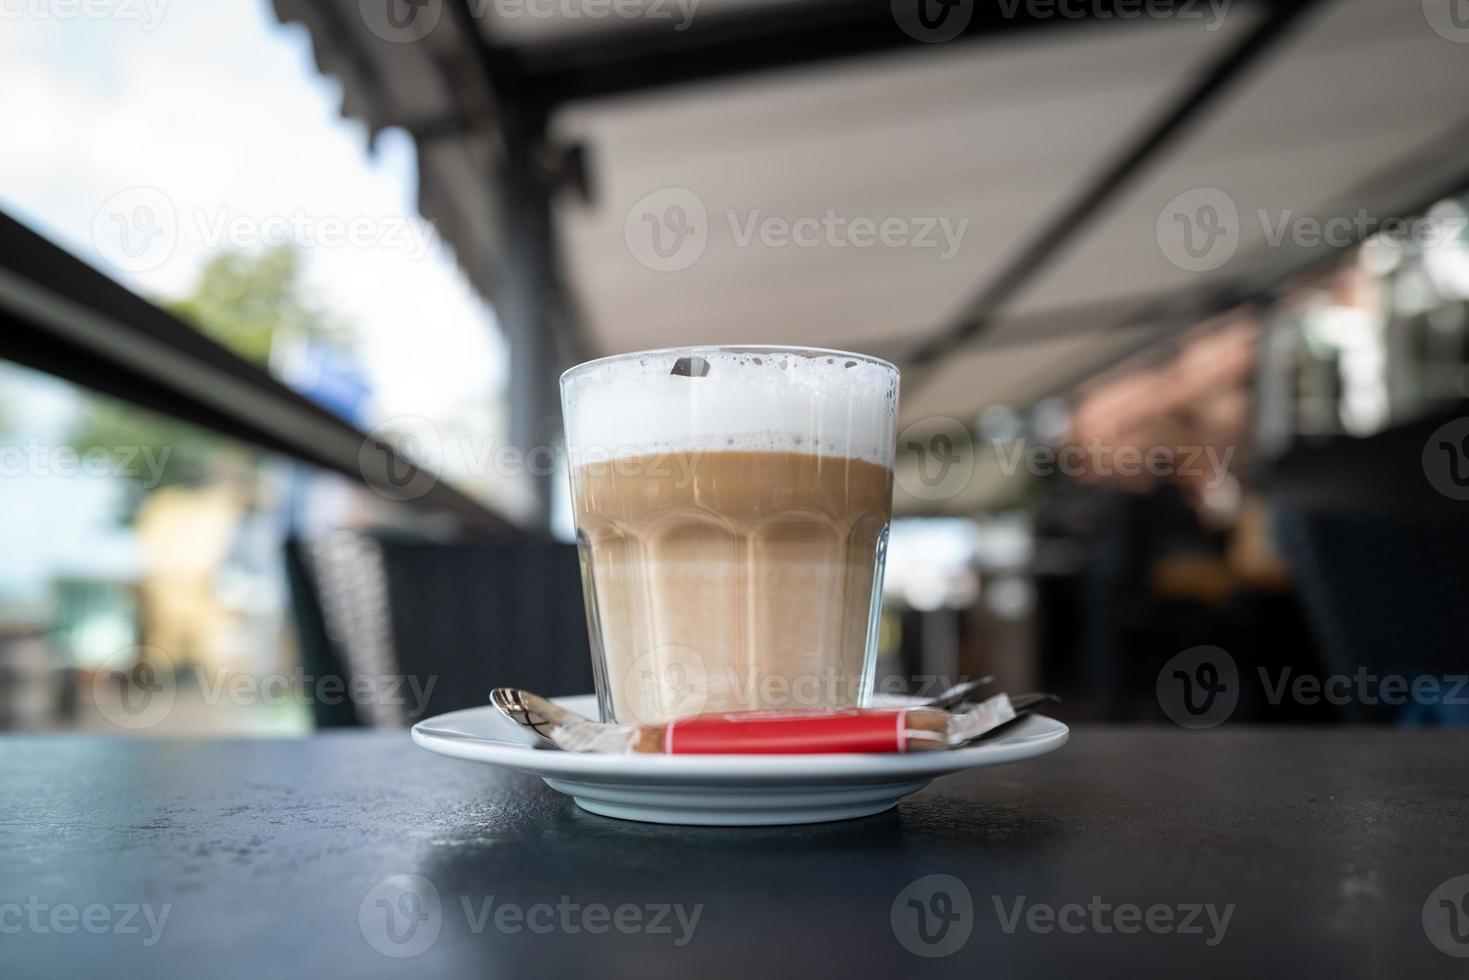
point(723, 790)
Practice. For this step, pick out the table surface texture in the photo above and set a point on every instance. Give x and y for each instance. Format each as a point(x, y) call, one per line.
point(1130, 852)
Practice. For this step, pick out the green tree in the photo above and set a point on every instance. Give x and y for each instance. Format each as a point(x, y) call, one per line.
point(249, 303)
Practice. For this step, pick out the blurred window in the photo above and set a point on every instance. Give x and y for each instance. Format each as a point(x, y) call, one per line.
point(137, 541)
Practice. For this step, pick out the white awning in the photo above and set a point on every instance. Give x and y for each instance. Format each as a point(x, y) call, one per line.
point(981, 147)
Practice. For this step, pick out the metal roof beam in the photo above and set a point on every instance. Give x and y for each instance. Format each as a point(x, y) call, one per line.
point(1115, 176)
point(795, 35)
point(61, 316)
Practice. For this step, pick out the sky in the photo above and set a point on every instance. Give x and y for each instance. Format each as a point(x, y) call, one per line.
point(208, 119)
point(201, 125)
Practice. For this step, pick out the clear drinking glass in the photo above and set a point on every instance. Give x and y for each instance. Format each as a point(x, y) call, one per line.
point(732, 508)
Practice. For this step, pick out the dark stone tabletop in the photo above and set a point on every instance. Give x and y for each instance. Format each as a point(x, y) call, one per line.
point(1130, 852)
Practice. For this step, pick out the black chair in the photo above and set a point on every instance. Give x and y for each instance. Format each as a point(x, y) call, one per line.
point(1387, 595)
point(438, 624)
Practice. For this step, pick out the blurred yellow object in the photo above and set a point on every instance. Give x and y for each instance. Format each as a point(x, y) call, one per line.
point(186, 535)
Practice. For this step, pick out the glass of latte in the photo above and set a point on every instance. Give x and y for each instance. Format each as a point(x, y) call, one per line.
point(732, 508)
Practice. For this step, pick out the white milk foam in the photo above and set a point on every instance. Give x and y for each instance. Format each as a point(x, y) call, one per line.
point(819, 402)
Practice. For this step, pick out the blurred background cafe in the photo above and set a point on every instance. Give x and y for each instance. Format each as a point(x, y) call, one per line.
point(1180, 293)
